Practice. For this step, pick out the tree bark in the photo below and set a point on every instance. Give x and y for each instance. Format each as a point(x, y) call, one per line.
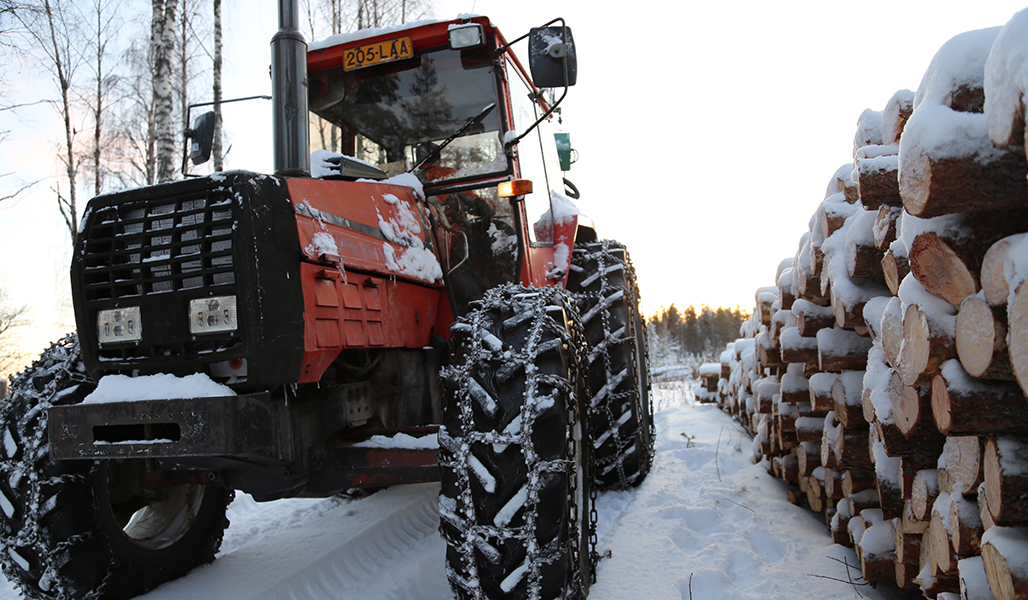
point(886, 227)
point(841, 350)
point(162, 41)
point(851, 449)
point(879, 181)
point(216, 149)
point(846, 399)
point(1018, 338)
point(965, 525)
point(934, 187)
point(964, 406)
point(796, 348)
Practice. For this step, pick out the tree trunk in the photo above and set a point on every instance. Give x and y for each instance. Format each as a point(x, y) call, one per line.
point(851, 449)
point(941, 270)
point(841, 350)
point(895, 266)
point(796, 348)
point(162, 40)
point(962, 456)
point(216, 149)
point(1018, 337)
point(811, 318)
point(886, 226)
point(965, 525)
point(1005, 555)
point(846, 399)
point(929, 339)
point(923, 494)
point(964, 406)
point(993, 274)
point(1006, 480)
point(879, 181)
point(982, 339)
point(934, 187)
point(894, 117)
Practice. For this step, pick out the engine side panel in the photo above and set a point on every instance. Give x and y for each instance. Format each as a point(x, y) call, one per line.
point(370, 275)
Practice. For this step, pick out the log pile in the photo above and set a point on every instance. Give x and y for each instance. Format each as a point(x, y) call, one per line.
point(884, 377)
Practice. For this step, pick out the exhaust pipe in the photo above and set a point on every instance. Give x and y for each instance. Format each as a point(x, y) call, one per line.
point(289, 93)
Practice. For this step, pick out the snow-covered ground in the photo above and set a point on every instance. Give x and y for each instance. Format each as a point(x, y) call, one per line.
point(707, 524)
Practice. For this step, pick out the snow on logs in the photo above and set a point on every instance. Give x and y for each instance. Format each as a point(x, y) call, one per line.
point(885, 373)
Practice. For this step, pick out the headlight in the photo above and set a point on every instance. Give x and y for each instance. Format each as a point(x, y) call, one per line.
point(119, 325)
point(211, 315)
point(469, 35)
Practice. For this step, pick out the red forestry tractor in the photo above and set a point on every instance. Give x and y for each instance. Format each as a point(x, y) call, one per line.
point(416, 305)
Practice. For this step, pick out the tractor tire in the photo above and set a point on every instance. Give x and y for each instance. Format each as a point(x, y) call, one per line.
point(81, 529)
point(620, 412)
point(516, 504)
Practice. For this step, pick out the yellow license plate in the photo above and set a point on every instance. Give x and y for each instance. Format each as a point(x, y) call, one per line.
point(379, 52)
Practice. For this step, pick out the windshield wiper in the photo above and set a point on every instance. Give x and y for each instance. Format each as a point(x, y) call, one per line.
point(472, 121)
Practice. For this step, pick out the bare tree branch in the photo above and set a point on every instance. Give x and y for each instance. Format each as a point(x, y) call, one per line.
point(11, 317)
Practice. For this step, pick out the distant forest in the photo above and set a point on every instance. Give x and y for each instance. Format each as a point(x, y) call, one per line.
point(681, 336)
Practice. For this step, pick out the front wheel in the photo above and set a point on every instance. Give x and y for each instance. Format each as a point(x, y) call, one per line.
point(87, 529)
point(515, 503)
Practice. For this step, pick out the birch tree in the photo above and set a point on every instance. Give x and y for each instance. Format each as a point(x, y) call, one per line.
point(52, 30)
point(216, 149)
point(11, 317)
point(103, 24)
point(162, 43)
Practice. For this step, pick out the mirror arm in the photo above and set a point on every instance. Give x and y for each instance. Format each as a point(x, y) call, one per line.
point(188, 131)
point(502, 49)
point(564, 61)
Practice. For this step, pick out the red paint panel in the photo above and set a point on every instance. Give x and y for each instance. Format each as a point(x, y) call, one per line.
point(372, 313)
point(349, 212)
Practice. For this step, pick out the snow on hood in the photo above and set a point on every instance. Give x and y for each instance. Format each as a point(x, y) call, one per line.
point(404, 229)
point(122, 388)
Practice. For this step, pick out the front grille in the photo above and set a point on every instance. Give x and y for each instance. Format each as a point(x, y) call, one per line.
point(159, 245)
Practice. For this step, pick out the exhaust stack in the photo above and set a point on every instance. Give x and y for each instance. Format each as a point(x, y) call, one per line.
point(289, 93)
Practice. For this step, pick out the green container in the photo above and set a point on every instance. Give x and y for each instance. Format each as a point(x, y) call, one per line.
point(564, 150)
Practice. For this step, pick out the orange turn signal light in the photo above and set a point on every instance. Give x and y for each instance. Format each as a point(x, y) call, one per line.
point(517, 187)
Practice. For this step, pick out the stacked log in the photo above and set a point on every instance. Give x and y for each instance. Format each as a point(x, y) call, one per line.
point(889, 363)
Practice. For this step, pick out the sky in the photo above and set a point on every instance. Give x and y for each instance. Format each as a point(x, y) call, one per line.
point(707, 133)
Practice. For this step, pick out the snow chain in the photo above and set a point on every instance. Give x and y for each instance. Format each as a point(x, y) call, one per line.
point(61, 377)
point(531, 304)
point(600, 301)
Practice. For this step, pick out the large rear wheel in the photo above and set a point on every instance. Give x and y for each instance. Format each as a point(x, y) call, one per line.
point(515, 504)
point(602, 282)
point(87, 529)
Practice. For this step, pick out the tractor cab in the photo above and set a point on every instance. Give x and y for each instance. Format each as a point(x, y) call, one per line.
point(449, 103)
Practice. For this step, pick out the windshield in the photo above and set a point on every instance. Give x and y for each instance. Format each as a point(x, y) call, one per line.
point(394, 117)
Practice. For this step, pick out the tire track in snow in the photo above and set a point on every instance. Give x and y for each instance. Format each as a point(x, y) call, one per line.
point(384, 546)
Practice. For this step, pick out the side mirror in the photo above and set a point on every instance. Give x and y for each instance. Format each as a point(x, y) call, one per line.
point(202, 136)
point(548, 50)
